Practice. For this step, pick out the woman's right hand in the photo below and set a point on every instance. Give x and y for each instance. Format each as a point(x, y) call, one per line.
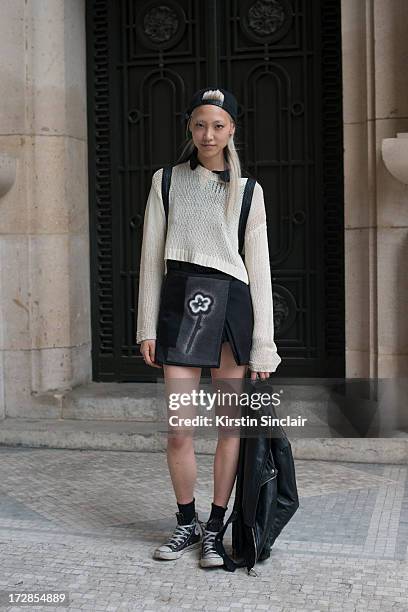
point(148, 350)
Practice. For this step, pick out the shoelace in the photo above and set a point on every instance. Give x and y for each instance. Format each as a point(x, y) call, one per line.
point(208, 542)
point(180, 533)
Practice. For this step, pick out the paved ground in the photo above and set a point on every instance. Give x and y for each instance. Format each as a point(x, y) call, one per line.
point(86, 522)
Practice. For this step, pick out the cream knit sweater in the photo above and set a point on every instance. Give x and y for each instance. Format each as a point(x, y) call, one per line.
point(198, 233)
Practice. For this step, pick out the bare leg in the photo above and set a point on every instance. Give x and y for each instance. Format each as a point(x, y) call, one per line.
point(180, 448)
point(226, 456)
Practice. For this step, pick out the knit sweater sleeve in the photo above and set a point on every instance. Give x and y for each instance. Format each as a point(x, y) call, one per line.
point(264, 356)
point(152, 266)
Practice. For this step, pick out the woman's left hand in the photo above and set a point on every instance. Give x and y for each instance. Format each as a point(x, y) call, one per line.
point(262, 375)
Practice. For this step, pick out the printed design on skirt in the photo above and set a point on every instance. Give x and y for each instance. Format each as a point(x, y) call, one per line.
point(199, 305)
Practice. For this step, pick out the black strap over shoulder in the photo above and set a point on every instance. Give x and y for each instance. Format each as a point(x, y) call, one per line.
point(166, 179)
point(245, 207)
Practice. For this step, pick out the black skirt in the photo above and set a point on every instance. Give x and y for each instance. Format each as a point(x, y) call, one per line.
point(200, 309)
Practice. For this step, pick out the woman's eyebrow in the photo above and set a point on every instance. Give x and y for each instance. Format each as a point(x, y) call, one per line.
point(216, 121)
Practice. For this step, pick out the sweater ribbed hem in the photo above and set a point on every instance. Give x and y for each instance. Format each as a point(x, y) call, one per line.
point(209, 262)
point(270, 366)
point(142, 335)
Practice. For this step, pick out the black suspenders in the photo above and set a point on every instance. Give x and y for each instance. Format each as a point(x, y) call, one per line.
point(245, 207)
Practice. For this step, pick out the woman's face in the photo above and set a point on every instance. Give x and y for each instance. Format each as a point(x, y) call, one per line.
point(211, 128)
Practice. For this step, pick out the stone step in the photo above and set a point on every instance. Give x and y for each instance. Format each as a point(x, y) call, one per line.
point(133, 435)
point(144, 402)
point(119, 401)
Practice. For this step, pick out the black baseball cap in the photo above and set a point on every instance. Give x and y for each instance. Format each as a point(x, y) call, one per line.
point(229, 104)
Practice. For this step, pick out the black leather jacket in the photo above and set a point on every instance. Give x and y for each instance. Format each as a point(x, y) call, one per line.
point(266, 495)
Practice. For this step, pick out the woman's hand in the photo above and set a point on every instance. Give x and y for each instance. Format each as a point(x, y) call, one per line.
point(148, 350)
point(262, 375)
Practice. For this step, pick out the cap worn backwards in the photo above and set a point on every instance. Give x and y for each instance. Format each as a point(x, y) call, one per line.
point(229, 103)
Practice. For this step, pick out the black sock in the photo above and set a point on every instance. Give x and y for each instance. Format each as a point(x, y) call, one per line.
point(217, 513)
point(187, 510)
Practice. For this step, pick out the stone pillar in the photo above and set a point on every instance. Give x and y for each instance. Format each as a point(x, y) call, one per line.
point(375, 100)
point(44, 236)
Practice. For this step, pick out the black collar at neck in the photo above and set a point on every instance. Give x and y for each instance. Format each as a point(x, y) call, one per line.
point(194, 161)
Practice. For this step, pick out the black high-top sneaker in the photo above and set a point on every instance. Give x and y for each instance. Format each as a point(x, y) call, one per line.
point(185, 537)
point(209, 556)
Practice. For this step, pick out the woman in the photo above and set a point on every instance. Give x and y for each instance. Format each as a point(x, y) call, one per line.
point(214, 308)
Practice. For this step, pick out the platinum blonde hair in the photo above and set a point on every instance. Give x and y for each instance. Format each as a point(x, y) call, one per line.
point(230, 156)
point(213, 94)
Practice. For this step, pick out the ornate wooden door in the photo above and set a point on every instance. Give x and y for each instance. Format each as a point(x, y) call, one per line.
point(282, 59)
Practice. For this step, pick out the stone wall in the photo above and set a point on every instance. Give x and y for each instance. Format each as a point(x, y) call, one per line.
point(44, 233)
point(375, 100)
